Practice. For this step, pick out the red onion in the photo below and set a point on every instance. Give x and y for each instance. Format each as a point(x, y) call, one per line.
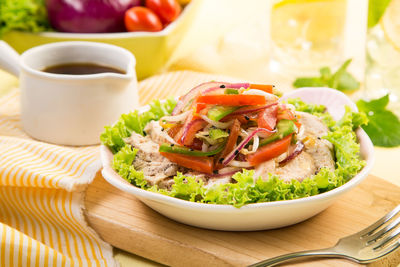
point(88, 16)
point(182, 102)
point(239, 85)
point(251, 109)
point(298, 149)
point(202, 88)
point(191, 127)
point(242, 144)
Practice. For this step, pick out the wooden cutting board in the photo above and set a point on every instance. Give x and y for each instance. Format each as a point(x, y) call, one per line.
point(124, 222)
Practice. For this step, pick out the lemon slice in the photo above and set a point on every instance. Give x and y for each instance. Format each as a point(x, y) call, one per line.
point(390, 23)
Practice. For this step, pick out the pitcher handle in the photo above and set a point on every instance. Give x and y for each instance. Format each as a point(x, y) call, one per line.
point(9, 59)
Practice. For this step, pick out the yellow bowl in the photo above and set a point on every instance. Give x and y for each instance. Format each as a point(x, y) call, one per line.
point(151, 49)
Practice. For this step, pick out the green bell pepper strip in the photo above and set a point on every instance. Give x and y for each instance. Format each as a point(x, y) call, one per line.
point(284, 128)
point(230, 91)
point(188, 151)
point(216, 113)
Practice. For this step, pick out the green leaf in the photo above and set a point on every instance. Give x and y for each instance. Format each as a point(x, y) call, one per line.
point(376, 8)
point(340, 80)
point(373, 105)
point(23, 15)
point(113, 136)
point(325, 73)
point(383, 127)
point(308, 82)
point(347, 82)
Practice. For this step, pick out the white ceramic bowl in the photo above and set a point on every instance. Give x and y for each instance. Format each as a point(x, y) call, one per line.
point(258, 216)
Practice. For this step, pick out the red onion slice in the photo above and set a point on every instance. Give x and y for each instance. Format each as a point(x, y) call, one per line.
point(182, 102)
point(201, 88)
point(196, 124)
point(242, 144)
point(298, 149)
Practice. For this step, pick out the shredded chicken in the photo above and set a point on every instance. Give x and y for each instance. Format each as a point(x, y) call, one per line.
point(155, 167)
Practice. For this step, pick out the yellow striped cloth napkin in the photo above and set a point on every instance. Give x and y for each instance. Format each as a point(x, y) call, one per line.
point(42, 187)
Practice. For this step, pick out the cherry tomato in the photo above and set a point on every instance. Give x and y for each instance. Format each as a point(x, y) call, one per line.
point(142, 19)
point(167, 10)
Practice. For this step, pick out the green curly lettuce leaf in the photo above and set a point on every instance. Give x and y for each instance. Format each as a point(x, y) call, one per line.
point(246, 189)
point(23, 15)
point(134, 122)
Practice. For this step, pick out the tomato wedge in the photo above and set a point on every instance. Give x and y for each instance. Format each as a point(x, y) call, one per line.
point(268, 88)
point(201, 164)
point(267, 118)
point(270, 151)
point(232, 100)
point(230, 144)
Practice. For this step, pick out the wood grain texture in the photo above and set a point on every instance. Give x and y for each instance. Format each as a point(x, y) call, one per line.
point(124, 222)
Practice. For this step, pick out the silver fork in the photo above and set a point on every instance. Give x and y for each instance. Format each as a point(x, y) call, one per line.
point(370, 244)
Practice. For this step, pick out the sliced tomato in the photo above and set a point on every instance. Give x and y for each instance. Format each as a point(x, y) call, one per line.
point(263, 87)
point(267, 118)
point(270, 151)
point(187, 133)
point(230, 144)
point(201, 164)
point(232, 100)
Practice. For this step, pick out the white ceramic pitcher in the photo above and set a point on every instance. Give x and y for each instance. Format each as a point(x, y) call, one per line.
point(71, 109)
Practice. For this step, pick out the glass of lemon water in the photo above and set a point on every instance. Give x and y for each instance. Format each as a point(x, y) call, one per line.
point(307, 34)
point(383, 56)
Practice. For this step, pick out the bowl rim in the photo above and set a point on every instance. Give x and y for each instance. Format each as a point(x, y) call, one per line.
point(118, 35)
point(365, 142)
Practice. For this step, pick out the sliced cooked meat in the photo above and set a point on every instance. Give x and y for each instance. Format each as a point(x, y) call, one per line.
point(320, 149)
point(264, 169)
point(299, 168)
point(155, 167)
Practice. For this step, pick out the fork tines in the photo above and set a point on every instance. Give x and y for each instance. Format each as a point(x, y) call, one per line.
point(384, 234)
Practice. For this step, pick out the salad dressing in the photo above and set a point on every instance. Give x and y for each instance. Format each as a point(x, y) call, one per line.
point(81, 69)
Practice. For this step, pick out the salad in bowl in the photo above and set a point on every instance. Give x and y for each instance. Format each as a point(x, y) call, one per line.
point(231, 149)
